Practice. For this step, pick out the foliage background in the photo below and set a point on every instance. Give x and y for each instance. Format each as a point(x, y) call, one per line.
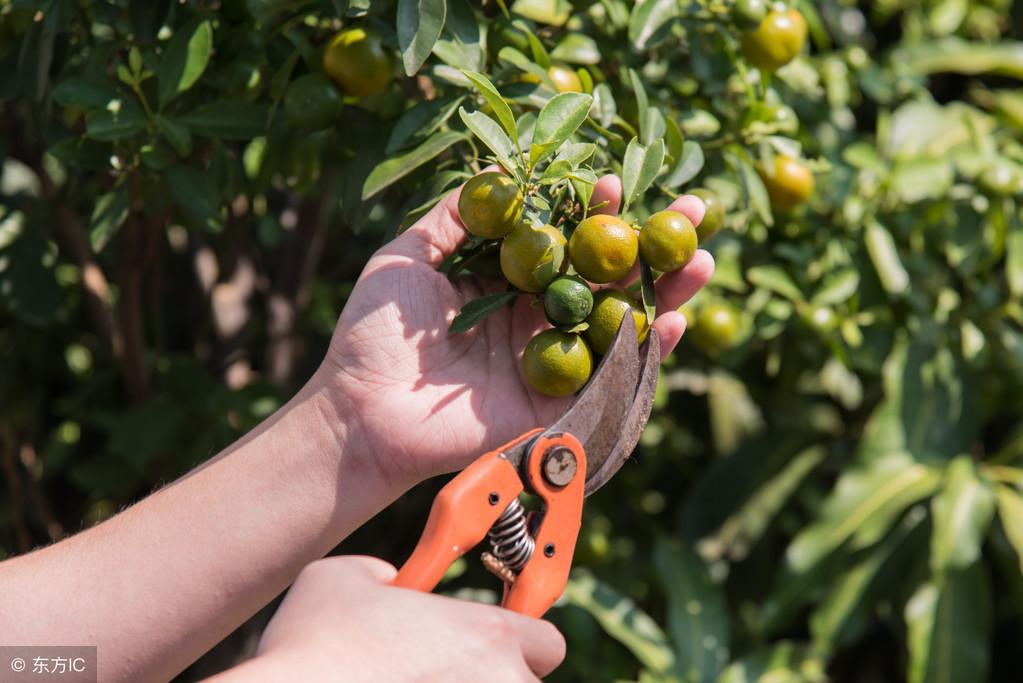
point(837, 495)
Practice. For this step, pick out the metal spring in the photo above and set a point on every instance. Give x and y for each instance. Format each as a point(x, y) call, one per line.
point(510, 538)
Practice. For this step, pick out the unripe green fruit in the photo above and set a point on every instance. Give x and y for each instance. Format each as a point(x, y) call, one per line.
point(567, 301)
point(667, 241)
point(490, 205)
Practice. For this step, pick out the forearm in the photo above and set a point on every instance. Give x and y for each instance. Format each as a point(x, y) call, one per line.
point(160, 583)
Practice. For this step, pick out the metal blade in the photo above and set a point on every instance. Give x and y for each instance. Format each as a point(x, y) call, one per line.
point(597, 416)
point(631, 427)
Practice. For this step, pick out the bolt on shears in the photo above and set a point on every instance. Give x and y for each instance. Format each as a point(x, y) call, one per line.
point(560, 465)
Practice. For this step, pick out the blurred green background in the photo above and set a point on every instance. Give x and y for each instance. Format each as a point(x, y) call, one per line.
point(830, 488)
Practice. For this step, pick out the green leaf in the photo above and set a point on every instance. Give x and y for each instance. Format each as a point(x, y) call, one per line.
point(642, 107)
point(227, 120)
point(192, 191)
point(697, 613)
point(864, 504)
point(885, 257)
point(421, 121)
point(955, 55)
point(396, 167)
point(782, 662)
point(1014, 261)
point(639, 169)
point(420, 23)
point(78, 92)
point(1010, 512)
point(496, 102)
point(116, 122)
point(28, 287)
point(184, 60)
point(176, 134)
point(753, 186)
point(622, 620)
point(948, 628)
point(649, 294)
point(550, 12)
point(687, 167)
point(460, 45)
point(478, 310)
point(650, 22)
point(556, 123)
point(577, 48)
point(837, 287)
point(962, 513)
point(536, 48)
point(491, 135)
point(83, 153)
point(848, 607)
point(583, 181)
point(775, 279)
point(109, 215)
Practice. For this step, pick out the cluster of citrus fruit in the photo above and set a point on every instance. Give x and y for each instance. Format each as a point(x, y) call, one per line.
point(600, 250)
point(355, 63)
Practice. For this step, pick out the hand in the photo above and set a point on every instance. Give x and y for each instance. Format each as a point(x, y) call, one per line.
point(342, 621)
point(428, 401)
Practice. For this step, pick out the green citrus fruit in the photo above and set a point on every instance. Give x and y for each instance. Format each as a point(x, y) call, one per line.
point(713, 217)
point(1001, 179)
point(667, 241)
point(747, 14)
point(358, 62)
point(789, 183)
point(609, 307)
point(603, 248)
point(490, 205)
point(565, 79)
point(532, 257)
point(312, 102)
point(820, 318)
point(776, 41)
point(715, 327)
point(567, 300)
point(557, 363)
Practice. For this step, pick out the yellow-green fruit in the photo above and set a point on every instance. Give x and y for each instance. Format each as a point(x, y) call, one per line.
point(789, 183)
point(667, 241)
point(603, 248)
point(565, 79)
point(567, 300)
point(713, 217)
point(358, 62)
point(609, 308)
point(715, 328)
point(776, 41)
point(557, 363)
point(490, 205)
point(532, 257)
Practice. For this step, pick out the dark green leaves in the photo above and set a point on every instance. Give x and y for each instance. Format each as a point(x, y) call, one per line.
point(420, 23)
point(184, 60)
point(192, 190)
point(501, 109)
point(962, 512)
point(557, 122)
point(108, 215)
point(491, 135)
point(396, 167)
point(478, 310)
point(121, 119)
point(641, 165)
point(227, 120)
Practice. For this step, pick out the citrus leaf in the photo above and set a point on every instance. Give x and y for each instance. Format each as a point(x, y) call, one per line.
point(108, 215)
point(775, 279)
point(623, 620)
point(577, 48)
point(192, 191)
point(184, 60)
point(77, 92)
point(837, 287)
point(650, 21)
point(697, 613)
point(649, 294)
point(491, 135)
point(885, 257)
point(420, 23)
point(394, 168)
point(177, 134)
point(639, 168)
point(496, 102)
point(421, 121)
point(116, 123)
point(948, 627)
point(962, 512)
point(688, 166)
point(1010, 512)
point(228, 120)
point(783, 662)
point(556, 123)
point(478, 310)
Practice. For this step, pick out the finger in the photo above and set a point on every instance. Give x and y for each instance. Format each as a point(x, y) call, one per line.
point(674, 289)
point(543, 646)
point(690, 206)
point(670, 327)
point(607, 195)
point(359, 567)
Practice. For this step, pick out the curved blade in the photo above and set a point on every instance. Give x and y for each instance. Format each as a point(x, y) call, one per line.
point(596, 417)
point(631, 427)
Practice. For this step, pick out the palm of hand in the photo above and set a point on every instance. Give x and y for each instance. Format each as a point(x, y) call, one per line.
point(428, 401)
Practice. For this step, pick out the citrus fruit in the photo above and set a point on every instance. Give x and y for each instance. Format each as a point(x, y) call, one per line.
point(789, 183)
point(312, 102)
point(567, 300)
point(715, 327)
point(490, 205)
point(358, 62)
point(557, 363)
point(747, 14)
point(565, 79)
point(667, 241)
point(609, 307)
point(603, 248)
point(776, 41)
point(1001, 179)
point(713, 217)
point(532, 257)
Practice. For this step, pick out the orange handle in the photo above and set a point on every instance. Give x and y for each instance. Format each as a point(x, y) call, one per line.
point(461, 515)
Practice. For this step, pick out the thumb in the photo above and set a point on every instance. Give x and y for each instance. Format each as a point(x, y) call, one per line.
point(363, 567)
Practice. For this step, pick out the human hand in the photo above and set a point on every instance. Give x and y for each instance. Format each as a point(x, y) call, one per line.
point(427, 401)
point(342, 620)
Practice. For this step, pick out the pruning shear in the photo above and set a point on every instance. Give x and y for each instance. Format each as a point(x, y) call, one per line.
point(562, 464)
